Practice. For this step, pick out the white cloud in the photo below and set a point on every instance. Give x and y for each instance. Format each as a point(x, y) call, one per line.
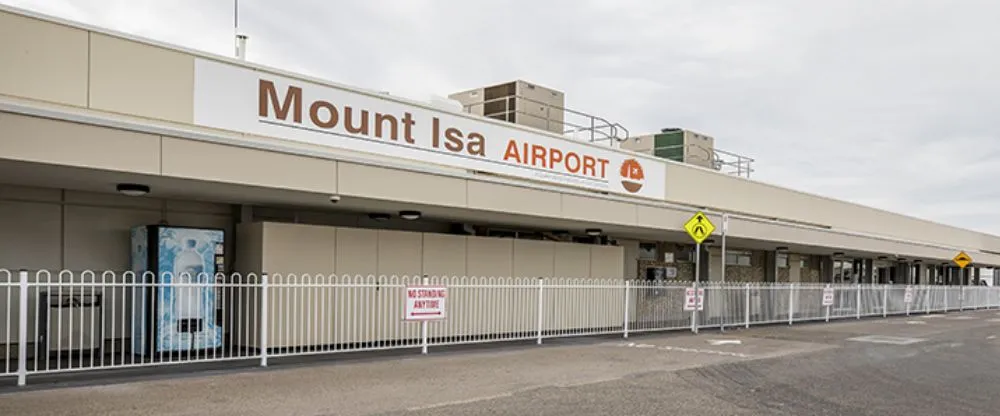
point(888, 103)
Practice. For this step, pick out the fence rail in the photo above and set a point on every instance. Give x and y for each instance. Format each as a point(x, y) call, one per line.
point(70, 321)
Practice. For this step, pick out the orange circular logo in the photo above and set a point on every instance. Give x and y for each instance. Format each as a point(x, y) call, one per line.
point(632, 175)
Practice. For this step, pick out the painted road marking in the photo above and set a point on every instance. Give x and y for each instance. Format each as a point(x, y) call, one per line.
point(683, 349)
point(962, 317)
point(993, 320)
point(915, 322)
point(885, 339)
point(991, 337)
point(725, 342)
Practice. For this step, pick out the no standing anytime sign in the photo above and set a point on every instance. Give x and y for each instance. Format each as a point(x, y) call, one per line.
point(425, 303)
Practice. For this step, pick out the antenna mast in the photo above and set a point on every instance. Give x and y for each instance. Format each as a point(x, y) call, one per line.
point(241, 39)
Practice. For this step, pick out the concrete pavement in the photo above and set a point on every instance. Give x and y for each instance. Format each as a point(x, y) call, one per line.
point(920, 365)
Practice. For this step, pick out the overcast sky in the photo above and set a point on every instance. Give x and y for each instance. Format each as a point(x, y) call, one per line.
point(889, 103)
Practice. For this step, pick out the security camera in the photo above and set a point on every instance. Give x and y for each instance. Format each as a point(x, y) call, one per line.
point(334, 199)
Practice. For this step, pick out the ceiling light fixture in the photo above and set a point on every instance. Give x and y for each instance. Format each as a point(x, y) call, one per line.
point(593, 231)
point(409, 215)
point(132, 189)
point(781, 248)
point(377, 216)
point(838, 254)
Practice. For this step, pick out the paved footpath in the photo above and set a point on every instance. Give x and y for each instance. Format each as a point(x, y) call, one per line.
point(922, 365)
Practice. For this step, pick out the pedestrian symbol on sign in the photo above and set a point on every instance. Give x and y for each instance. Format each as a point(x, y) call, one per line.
point(699, 227)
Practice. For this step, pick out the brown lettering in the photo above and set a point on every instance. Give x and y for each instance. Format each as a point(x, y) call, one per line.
point(380, 121)
point(408, 127)
point(314, 115)
point(349, 121)
point(454, 137)
point(268, 98)
point(435, 131)
point(476, 145)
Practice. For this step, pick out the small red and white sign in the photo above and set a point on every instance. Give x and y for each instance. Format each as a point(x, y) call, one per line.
point(425, 303)
point(691, 301)
point(908, 295)
point(827, 296)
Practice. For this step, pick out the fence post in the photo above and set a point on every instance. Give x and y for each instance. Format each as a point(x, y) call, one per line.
point(624, 324)
point(264, 319)
point(947, 291)
point(961, 298)
point(857, 312)
point(746, 305)
point(22, 332)
point(423, 325)
point(885, 301)
point(791, 303)
point(541, 315)
point(911, 289)
point(927, 299)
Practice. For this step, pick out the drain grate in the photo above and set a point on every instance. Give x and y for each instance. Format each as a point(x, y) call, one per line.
point(886, 339)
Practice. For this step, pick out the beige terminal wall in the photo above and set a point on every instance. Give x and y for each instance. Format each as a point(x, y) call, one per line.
point(282, 248)
point(328, 314)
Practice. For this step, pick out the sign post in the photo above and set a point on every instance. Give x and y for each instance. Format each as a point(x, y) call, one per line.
point(699, 228)
point(425, 303)
point(828, 296)
point(725, 229)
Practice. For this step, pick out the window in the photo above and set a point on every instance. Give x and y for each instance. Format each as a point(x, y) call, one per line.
point(647, 251)
point(782, 260)
point(737, 258)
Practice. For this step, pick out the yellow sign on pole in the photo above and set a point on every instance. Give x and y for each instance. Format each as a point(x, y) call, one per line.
point(699, 227)
point(962, 259)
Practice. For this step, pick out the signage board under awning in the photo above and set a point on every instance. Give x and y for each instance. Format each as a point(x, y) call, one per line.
point(239, 99)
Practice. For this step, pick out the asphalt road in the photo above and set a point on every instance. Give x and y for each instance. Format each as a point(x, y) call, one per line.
point(939, 365)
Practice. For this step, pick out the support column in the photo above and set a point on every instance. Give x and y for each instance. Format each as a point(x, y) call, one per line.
point(867, 272)
point(826, 271)
point(976, 276)
point(770, 266)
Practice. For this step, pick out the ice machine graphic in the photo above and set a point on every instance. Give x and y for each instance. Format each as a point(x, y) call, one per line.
point(177, 307)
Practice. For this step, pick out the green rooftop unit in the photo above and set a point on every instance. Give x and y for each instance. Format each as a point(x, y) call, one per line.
point(678, 145)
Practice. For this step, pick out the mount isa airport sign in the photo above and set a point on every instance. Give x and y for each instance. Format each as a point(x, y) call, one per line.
point(259, 103)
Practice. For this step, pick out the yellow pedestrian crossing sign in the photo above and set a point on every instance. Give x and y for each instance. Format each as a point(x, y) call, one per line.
point(699, 227)
point(962, 259)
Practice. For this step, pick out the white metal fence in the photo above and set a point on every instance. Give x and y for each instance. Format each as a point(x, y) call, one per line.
point(54, 322)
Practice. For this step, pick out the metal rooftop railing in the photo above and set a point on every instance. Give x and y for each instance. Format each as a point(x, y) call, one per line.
point(578, 125)
point(574, 124)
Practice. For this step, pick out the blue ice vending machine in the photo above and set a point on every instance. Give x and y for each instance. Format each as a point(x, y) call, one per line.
point(176, 309)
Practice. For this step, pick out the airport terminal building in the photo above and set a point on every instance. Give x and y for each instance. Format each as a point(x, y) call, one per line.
point(101, 132)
